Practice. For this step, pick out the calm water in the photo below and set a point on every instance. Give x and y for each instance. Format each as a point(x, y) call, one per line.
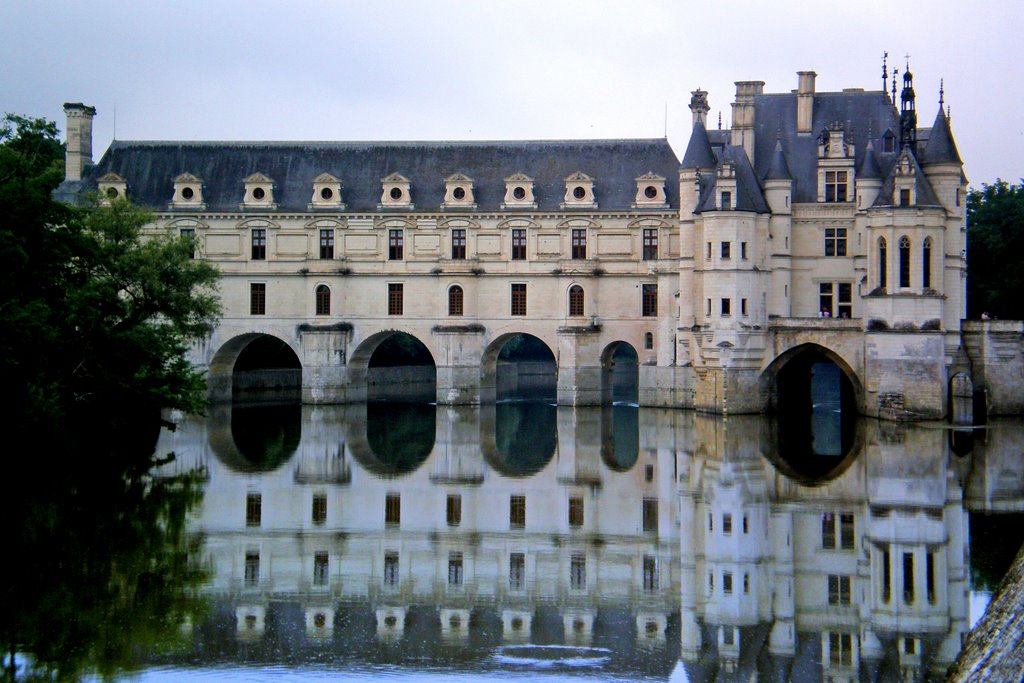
point(524, 541)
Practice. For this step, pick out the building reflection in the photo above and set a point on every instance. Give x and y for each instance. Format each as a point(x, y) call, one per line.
point(681, 541)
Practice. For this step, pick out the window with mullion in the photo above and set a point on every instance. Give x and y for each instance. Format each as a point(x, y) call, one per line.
point(579, 243)
point(259, 244)
point(458, 243)
point(396, 245)
point(327, 244)
point(650, 247)
point(519, 244)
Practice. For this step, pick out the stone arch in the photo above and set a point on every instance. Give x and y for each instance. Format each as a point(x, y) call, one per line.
point(489, 362)
point(769, 376)
point(620, 383)
point(368, 384)
point(961, 399)
point(220, 378)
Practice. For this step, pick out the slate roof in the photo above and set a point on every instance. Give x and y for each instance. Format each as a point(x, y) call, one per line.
point(869, 167)
point(150, 167)
point(778, 169)
point(940, 148)
point(923, 189)
point(698, 150)
point(748, 191)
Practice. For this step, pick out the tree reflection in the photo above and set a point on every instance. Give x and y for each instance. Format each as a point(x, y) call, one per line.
point(100, 570)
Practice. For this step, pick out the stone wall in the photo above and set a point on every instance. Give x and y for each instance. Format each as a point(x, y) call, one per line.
point(996, 352)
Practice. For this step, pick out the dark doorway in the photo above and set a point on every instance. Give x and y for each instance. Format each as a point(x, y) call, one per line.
point(401, 369)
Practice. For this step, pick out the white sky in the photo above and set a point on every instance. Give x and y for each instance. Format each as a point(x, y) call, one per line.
point(444, 69)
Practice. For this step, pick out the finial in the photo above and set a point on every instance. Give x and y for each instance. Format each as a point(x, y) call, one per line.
point(885, 69)
point(894, 73)
point(719, 119)
point(942, 94)
point(947, 111)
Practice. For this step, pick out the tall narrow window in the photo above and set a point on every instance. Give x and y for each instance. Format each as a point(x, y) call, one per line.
point(837, 531)
point(518, 303)
point(395, 298)
point(253, 509)
point(258, 298)
point(517, 512)
point(650, 251)
point(835, 186)
point(455, 569)
point(579, 243)
point(319, 508)
point(458, 243)
point(453, 509)
point(516, 571)
point(727, 524)
point(575, 300)
point(648, 340)
point(840, 649)
point(327, 244)
point(726, 201)
point(908, 578)
point(838, 590)
point(926, 263)
point(726, 306)
point(845, 306)
point(259, 244)
point(727, 583)
point(323, 300)
point(904, 261)
point(650, 515)
point(648, 300)
point(252, 569)
point(390, 569)
point(190, 235)
point(576, 511)
point(518, 244)
point(650, 573)
point(726, 251)
point(886, 575)
point(455, 300)
point(320, 569)
point(904, 197)
point(578, 571)
point(929, 577)
point(883, 263)
point(393, 509)
point(743, 250)
point(396, 245)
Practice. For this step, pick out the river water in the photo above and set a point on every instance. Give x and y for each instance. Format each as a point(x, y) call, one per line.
point(528, 541)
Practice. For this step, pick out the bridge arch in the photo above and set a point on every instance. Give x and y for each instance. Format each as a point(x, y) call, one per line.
point(394, 365)
point(620, 373)
point(269, 369)
point(498, 381)
point(797, 358)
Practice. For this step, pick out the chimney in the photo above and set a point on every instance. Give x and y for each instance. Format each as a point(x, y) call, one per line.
point(79, 134)
point(805, 101)
point(743, 115)
point(699, 107)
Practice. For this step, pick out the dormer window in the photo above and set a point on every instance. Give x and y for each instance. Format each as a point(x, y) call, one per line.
point(188, 192)
point(396, 192)
point(905, 185)
point(579, 192)
point(650, 192)
point(259, 192)
point(888, 142)
point(111, 186)
point(835, 186)
point(519, 192)
point(458, 192)
point(725, 200)
point(326, 193)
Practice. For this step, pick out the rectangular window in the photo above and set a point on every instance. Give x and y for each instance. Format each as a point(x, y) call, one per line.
point(516, 571)
point(458, 244)
point(726, 306)
point(518, 244)
point(709, 251)
point(711, 582)
point(846, 538)
point(838, 590)
point(453, 510)
point(518, 298)
point(258, 298)
point(727, 583)
point(930, 577)
point(746, 525)
point(395, 298)
point(726, 201)
point(253, 509)
point(579, 243)
point(727, 524)
point(648, 300)
point(252, 569)
point(728, 636)
point(726, 250)
point(904, 197)
point(835, 186)
point(835, 241)
point(393, 509)
point(844, 308)
point(746, 583)
point(576, 511)
point(650, 515)
point(326, 244)
point(259, 244)
point(396, 245)
point(840, 649)
point(708, 311)
point(886, 576)
point(455, 569)
point(743, 250)
point(837, 531)
point(190, 235)
point(517, 512)
point(743, 306)
point(650, 573)
point(650, 251)
point(578, 571)
point(319, 508)
point(390, 569)
point(320, 569)
point(825, 300)
point(835, 299)
point(711, 523)
point(908, 578)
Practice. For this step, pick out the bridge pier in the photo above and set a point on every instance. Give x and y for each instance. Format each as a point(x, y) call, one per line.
point(580, 373)
point(459, 361)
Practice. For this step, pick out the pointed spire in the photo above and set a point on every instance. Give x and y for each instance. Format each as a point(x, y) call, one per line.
point(941, 148)
point(908, 111)
point(869, 168)
point(698, 151)
point(894, 72)
point(942, 93)
point(885, 69)
point(778, 169)
point(719, 119)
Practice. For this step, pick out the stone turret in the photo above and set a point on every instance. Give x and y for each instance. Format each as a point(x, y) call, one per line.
point(79, 137)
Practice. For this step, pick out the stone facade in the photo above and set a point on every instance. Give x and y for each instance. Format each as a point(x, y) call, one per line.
point(823, 221)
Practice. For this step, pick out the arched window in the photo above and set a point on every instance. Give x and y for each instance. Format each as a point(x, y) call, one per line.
point(904, 261)
point(648, 340)
point(576, 300)
point(926, 263)
point(455, 300)
point(323, 300)
point(883, 263)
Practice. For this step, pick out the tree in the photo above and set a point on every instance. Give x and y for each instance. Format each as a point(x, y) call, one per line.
point(95, 326)
point(995, 243)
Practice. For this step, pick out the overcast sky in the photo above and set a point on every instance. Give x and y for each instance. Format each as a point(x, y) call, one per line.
point(431, 70)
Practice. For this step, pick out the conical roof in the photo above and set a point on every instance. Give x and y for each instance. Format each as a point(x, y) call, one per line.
point(869, 168)
point(778, 169)
point(698, 150)
point(941, 149)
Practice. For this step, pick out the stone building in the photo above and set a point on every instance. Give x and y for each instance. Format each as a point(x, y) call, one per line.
point(822, 227)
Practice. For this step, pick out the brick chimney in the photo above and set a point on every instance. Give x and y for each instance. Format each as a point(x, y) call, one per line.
point(79, 135)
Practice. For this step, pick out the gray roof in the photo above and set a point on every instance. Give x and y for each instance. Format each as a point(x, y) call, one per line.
point(778, 169)
point(925, 194)
point(940, 148)
point(869, 168)
point(748, 191)
point(150, 167)
point(698, 150)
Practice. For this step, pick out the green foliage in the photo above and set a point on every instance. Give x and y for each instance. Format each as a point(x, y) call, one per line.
point(995, 242)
